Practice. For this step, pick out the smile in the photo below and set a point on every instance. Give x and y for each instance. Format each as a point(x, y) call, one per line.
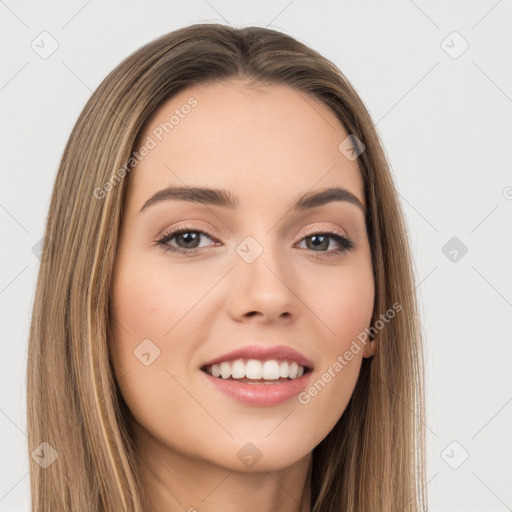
point(258, 383)
point(256, 370)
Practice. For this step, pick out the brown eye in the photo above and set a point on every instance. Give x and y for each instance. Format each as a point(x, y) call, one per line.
point(186, 239)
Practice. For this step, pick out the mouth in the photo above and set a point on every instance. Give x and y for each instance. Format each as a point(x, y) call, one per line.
point(265, 388)
point(258, 375)
point(255, 371)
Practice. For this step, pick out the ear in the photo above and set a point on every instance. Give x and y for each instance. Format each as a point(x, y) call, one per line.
point(370, 348)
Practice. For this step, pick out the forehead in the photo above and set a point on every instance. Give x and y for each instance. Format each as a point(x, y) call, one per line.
point(257, 141)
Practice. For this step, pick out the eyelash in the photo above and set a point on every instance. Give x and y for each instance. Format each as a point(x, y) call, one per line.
point(345, 242)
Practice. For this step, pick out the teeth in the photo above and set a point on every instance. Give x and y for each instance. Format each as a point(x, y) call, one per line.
point(270, 370)
point(293, 370)
point(255, 369)
point(238, 369)
point(215, 369)
point(225, 370)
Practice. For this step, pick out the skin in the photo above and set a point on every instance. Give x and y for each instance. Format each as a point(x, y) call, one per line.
point(266, 145)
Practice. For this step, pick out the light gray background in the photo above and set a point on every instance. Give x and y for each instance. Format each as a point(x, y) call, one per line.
point(445, 123)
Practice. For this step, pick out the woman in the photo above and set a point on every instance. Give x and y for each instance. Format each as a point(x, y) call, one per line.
point(225, 315)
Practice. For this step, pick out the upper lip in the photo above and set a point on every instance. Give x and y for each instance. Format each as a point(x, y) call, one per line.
point(263, 353)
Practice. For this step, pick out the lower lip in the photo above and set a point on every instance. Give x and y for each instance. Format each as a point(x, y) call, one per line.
point(261, 395)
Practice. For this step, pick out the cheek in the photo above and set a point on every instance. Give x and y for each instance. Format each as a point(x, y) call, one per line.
point(148, 300)
point(343, 303)
point(140, 316)
point(151, 310)
point(344, 308)
point(150, 366)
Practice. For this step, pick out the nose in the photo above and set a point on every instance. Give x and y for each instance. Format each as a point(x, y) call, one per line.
point(263, 287)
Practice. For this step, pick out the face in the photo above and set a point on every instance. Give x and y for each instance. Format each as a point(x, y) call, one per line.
point(261, 273)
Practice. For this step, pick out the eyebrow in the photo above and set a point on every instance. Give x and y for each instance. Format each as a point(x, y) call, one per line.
point(225, 199)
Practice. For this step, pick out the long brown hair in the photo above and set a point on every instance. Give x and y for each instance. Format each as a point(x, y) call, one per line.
point(373, 459)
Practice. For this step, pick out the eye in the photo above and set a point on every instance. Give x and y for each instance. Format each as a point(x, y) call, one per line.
point(320, 239)
point(189, 238)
